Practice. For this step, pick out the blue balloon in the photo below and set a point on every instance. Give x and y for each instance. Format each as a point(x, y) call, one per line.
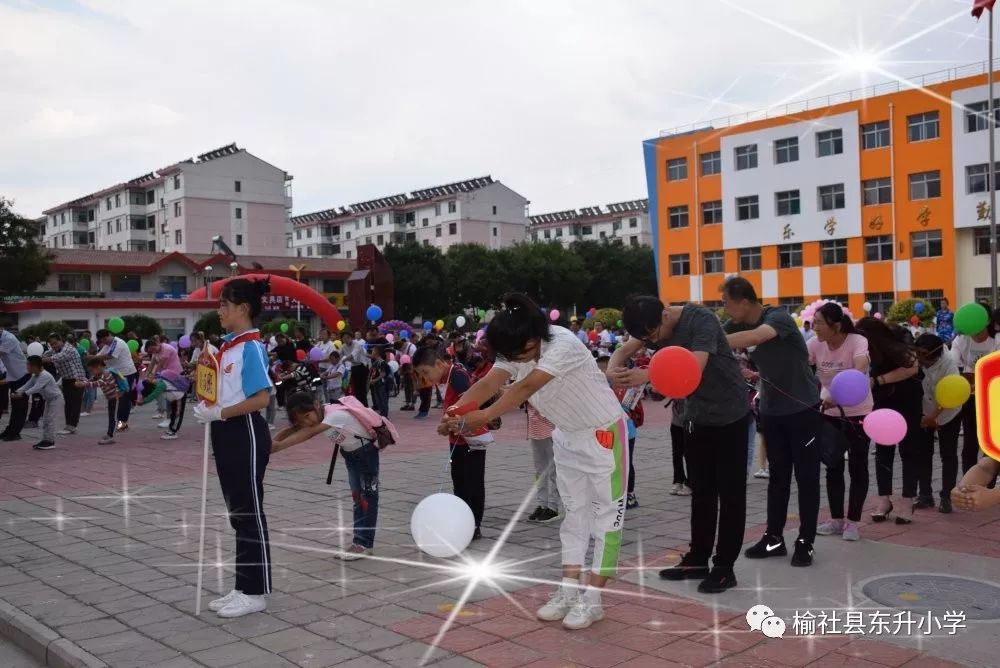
point(374, 312)
point(919, 307)
point(428, 325)
point(405, 334)
point(613, 339)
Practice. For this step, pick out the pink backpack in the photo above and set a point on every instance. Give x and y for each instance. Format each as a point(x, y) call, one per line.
point(382, 432)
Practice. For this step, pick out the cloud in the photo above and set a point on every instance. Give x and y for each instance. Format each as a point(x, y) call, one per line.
point(360, 100)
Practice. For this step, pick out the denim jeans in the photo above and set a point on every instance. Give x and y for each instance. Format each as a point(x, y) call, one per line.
point(380, 399)
point(362, 475)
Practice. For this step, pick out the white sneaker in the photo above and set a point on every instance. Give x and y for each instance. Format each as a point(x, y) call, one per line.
point(104, 440)
point(353, 553)
point(68, 431)
point(243, 604)
point(831, 528)
point(582, 615)
point(220, 603)
point(558, 606)
point(683, 489)
point(84, 414)
point(163, 425)
point(169, 436)
point(158, 416)
point(762, 473)
point(852, 531)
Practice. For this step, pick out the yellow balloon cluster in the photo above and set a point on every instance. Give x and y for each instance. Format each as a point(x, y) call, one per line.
point(341, 326)
point(952, 391)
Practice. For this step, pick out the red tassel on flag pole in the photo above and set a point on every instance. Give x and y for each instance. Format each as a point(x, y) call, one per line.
point(979, 6)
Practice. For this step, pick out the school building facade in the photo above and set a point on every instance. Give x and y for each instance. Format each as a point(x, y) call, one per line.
point(875, 195)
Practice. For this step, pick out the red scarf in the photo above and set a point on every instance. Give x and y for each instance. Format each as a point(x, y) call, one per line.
point(249, 335)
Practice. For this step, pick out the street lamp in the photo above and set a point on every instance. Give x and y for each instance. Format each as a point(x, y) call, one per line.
point(233, 266)
point(298, 278)
point(208, 280)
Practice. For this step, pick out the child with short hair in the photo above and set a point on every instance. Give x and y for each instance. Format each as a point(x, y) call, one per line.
point(378, 381)
point(333, 377)
point(113, 384)
point(173, 387)
point(43, 384)
point(631, 401)
point(937, 363)
point(540, 434)
point(309, 418)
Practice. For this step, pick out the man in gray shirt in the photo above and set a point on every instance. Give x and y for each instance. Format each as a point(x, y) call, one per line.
point(714, 420)
point(12, 356)
point(790, 421)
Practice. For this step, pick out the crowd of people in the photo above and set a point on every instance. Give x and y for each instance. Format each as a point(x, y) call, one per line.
point(765, 388)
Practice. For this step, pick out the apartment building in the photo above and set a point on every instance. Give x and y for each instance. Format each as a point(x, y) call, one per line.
point(227, 192)
point(627, 222)
point(872, 195)
point(481, 211)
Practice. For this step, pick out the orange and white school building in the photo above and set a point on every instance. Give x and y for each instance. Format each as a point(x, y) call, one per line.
point(875, 195)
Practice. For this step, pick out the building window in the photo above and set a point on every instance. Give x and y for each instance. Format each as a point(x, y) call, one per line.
point(334, 285)
point(368, 221)
point(587, 230)
point(126, 282)
point(239, 213)
point(237, 186)
point(347, 235)
point(118, 225)
point(173, 285)
point(877, 191)
point(977, 115)
point(750, 259)
point(378, 220)
point(834, 251)
point(711, 212)
point(604, 235)
point(437, 231)
point(74, 282)
point(107, 204)
point(790, 304)
point(380, 239)
point(309, 251)
point(452, 228)
point(747, 208)
point(878, 248)
point(829, 142)
point(617, 224)
point(633, 241)
point(177, 181)
point(678, 216)
point(177, 209)
point(239, 239)
point(787, 203)
point(546, 233)
point(711, 163)
point(349, 253)
point(496, 231)
point(368, 240)
point(746, 157)
point(925, 185)
point(977, 178)
point(789, 256)
point(298, 252)
point(926, 244)
point(494, 210)
point(452, 206)
point(178, 236)
point(932, 296)
point(714, 262)
point(922, 127)
point(875, 135)
point(309, 233)
point(831, 197)
point(981, 241)
point(298, 234)
point(680, 265)
point(118, 201)
point(559, 232)
point(786, 150)
point(633, 223)
point(109, 227)
point(677, 169)
point(881, 301)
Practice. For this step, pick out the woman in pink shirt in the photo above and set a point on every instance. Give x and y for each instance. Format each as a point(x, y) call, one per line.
point(836, 348)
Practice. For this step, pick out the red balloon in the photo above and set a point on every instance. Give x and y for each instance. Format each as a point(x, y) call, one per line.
point(914, 321)
point(674, 372)
point(300, 355)
point(592, 335)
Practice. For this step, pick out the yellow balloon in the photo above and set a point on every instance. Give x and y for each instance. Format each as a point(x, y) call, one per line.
point(341, 326)
point(439, 324)
point(952, 391)
point(337, 344)
point(798, 322)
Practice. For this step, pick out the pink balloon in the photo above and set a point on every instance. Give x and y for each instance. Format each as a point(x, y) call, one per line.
point(554, 314)
point(885, 426)
point(878, 316)
point(405, 359)
point(391, 338)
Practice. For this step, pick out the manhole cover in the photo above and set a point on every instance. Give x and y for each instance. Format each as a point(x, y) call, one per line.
point(978, 599)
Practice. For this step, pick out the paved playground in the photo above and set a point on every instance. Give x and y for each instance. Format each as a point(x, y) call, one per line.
point(99, 544)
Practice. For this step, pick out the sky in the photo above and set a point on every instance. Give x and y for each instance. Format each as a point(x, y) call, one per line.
point(359, 100)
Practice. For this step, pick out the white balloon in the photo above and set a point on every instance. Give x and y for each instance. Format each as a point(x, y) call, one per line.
point(867, 306)
point(35, 348)
point(394, 366)
point(442, 525)
point(460, 321)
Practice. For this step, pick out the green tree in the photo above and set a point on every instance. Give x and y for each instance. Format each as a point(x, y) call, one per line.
point(904, 310)
point(615, 271)
point(421, 287)
point(273, 327)
point(41, 330)
point(144, 326)
point(473, 274)
point(548, 273)
point(25, 262)
point(209, 323)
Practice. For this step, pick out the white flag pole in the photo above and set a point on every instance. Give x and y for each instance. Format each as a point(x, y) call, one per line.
point(201, 529)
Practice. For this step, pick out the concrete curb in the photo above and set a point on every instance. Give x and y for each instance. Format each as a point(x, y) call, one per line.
point(42, 642)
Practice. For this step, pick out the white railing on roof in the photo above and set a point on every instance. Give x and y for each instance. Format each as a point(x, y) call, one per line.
point(885, 88)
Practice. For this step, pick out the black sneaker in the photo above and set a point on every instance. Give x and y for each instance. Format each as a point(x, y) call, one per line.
point(689, 568)
point(44, 445)
point(803, 555)
point(945, 505)
point(406, 408)
point(718, 581)
point(547, 515)
point(923, 501)
point(768, 546)
point(631, 502)
point(9, 438)
point(533, 517)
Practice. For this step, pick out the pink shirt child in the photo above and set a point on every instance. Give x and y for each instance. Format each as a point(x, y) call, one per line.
point(830, 362)
point(167, 359)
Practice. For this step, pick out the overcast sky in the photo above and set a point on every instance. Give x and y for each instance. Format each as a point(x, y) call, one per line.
point(360, 99)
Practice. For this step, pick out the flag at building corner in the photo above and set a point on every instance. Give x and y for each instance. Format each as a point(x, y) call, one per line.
point(979, 6)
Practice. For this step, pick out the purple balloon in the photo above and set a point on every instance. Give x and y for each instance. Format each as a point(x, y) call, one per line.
point(850, 388)
point(185, 341)
point(316, 354)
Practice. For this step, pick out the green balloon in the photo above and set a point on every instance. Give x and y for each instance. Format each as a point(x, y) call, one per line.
point(133, 345)
point(84, 345)
point(284, 328)
point(621, 324)
point(116, 325)
point(971, 319)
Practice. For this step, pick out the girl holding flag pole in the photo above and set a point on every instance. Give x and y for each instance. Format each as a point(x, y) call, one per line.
point(241, 443)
